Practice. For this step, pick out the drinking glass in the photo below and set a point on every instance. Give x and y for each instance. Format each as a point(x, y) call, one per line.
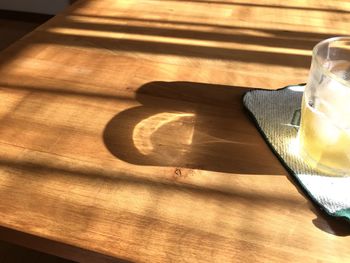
point(324, 133)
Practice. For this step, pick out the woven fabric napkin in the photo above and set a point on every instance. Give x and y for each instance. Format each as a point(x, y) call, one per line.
point(277, 115)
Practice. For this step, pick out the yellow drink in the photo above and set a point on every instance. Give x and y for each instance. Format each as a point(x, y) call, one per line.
point(324, 144)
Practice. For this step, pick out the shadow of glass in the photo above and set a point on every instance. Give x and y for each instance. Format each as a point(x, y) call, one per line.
point(190, 125)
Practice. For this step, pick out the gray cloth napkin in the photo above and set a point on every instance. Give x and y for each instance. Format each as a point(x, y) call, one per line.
point(277, 114)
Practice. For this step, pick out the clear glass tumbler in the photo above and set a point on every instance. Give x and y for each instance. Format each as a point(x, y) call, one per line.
point(324, 133)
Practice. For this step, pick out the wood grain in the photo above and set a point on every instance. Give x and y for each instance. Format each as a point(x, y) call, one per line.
point(123, 133)
point(14, 25)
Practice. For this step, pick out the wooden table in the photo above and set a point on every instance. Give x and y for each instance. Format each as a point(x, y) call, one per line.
point(123, 135)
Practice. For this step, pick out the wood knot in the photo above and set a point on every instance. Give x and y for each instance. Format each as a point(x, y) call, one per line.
point(178, 172)
point(182, 173)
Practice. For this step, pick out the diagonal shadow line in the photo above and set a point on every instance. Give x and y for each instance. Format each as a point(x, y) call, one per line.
point(331, 10)
point(280, 33)
point(183, 50)
point(63, 92)
point(274, 41)
point(117, 177)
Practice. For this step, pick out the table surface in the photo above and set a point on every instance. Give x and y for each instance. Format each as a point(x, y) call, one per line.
point(123, 132)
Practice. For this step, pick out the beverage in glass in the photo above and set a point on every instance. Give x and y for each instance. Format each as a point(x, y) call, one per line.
point(324, 133)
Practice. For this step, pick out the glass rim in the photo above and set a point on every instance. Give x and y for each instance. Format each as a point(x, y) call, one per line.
point(319, 64)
